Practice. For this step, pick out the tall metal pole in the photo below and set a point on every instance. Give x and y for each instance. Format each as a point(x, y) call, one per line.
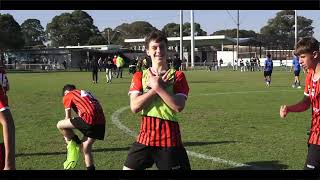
point(108, 36)
point(237, 39)
point(181, 35)
point(295, 28)
point(192, 40)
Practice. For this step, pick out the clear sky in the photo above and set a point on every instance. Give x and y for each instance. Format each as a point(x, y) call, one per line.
point(210, 20)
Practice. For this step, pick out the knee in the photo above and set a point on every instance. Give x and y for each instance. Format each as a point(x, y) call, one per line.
point(59, 125)
point(87, 147)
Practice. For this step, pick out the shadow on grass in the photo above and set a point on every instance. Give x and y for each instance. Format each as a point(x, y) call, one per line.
point(262, 165)
point(206, 143)
point(65, 152)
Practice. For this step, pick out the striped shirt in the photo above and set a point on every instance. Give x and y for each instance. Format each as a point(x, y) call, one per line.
point(312, 90)
point(155, 131)
point(159, 132)
point(87, 106)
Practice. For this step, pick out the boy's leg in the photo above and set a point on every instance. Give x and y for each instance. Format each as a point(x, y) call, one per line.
point(93, 77)
point(2, 156)
point(139, 157)
point(107, 75)
point(9, 140)
point(110, 75)
point(313, 158)
point(87, 143)
point(173, 158)
point(65, 127)
point(73, 143)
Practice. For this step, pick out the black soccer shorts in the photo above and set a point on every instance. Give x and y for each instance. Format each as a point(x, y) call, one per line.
point(141, 157)
point(95, 132)
point(313, 158)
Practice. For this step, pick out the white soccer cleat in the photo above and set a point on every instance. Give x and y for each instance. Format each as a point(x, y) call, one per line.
point(299, 87)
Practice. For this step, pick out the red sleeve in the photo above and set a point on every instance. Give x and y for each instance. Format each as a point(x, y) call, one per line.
point(307, 83)
point(181, 86)
point(67, 101)
point(136, 83)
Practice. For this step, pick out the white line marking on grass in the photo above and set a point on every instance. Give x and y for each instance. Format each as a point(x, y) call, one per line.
point(240, 92)
point(116, 120)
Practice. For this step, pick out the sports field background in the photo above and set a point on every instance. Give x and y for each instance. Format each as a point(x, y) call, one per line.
point(230, 117)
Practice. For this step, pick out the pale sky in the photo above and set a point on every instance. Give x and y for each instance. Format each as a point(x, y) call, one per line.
point(210, 20)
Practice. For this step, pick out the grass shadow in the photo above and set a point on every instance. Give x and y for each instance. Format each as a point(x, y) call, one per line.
point(65, 152)
point(262, 165)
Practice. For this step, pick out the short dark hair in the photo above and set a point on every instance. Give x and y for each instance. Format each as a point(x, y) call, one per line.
point(68, 87)
point(156, 36)
point(306, 45)
point(268, 55)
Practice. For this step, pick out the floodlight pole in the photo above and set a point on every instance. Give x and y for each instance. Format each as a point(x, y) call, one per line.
point(181, 35)
point(295, 28)
point(108, 36)
point(192, 40)
point(237, 39)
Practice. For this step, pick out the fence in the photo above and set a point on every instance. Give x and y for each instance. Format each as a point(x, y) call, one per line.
point(35, 67)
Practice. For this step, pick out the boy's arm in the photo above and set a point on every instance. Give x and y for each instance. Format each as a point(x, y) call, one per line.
point(175, 102)
point(303, 105)
point(139, 101)
point(8, 129)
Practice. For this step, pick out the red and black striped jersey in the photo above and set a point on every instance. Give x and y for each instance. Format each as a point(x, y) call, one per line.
point(155, 131)
point(312, 90)
point(85, 105)
point(159, 132)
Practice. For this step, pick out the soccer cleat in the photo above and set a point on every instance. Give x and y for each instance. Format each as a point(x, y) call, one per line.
point(73, 155)
point(267, 84)
point(293, 86)
point(299, 87)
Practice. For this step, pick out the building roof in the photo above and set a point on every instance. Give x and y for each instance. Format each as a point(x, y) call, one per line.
point(205, 40)
point(199, 40)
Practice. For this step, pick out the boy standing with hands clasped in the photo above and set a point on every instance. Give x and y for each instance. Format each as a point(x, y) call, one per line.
point(159, 93)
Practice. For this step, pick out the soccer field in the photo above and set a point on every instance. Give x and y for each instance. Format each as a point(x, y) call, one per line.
point(231, 120)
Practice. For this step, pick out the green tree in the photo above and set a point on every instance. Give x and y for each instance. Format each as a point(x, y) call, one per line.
point(137, 29)
point(233, 33)
point(171, 29)
point(280, 30)
point(97, 40)
point(10, 33)
point(197, 29)
point(71, 29)
point(33, 32)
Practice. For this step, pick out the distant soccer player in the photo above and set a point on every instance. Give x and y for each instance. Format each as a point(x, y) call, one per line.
point(91, 122)
point(268, 67)
point(159, 93)
point(308, 51)
point(7, 134)
point(296, 70)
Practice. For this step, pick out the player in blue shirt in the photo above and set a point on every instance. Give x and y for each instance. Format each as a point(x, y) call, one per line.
point(268, 67)
point(296, 70)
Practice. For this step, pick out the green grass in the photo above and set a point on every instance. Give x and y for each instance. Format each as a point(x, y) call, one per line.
point(242, 125)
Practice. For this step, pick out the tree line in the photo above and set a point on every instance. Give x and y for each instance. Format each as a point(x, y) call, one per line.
point(77, 28)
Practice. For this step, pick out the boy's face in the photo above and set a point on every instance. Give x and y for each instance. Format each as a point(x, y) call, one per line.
point(157, 51)
point(308, 60)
